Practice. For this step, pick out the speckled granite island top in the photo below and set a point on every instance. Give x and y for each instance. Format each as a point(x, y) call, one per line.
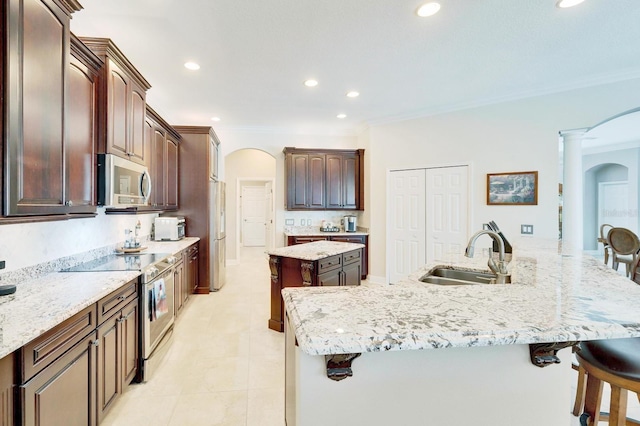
point(315, 250)
point(556, 295)
point(41, 303)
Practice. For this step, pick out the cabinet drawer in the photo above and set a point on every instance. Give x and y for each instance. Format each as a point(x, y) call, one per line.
point(192, 250)
point(42, 351)
point(112, 303)
point(329, 263)
point(303, 240)
point(351, 256)
point(359, 239)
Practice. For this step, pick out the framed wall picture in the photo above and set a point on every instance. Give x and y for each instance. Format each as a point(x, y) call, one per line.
point(512, 189)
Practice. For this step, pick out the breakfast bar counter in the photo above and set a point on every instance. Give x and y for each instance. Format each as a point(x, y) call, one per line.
point(490, 341)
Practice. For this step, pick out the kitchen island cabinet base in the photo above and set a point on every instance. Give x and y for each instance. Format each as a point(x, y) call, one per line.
point(496, 385)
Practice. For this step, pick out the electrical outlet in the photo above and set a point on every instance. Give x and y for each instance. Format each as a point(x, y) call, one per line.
point(526, 229)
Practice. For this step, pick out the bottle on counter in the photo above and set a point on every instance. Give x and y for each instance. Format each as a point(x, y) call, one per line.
point(136, 241)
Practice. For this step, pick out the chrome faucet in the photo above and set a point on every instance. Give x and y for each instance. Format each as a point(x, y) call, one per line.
point(499, 268)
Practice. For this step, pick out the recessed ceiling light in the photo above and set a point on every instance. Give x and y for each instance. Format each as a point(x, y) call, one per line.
point(311, 83)
point(353, 94)
point(191, 66)
point(428, 9)
point(341, 116)
point(215, 118)
point(568, 3)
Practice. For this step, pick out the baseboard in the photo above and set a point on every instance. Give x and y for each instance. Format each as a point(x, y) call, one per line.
point(376, 280)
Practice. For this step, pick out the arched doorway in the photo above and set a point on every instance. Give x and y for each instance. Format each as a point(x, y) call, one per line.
point(250, 175)
point(610, 165)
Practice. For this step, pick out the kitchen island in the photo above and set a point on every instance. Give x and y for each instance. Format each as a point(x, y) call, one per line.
point(422, 354)
point(319, 263)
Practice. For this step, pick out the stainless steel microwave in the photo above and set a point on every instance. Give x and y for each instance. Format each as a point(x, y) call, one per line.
point(122, 183)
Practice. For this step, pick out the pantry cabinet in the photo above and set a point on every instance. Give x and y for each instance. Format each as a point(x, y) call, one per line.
point(35, 74)
point(324, 179)
point(121, 110)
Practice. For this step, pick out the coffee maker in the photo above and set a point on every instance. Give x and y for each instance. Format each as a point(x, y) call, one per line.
point(350, 223)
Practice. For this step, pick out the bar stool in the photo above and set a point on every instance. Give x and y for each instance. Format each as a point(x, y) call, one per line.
point(617, 362)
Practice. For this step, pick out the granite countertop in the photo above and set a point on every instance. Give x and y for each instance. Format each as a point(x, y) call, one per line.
point(315, 250)
point(302, 231)
point(556, 295)
point(39, 304)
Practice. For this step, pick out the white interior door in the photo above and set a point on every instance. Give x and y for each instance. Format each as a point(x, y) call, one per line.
point(269, 216)
point(406, 233)
point(447, 211)
point(613, 205)
point(253, 216)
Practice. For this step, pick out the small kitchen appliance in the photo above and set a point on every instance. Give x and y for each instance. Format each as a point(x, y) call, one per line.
point(122, 183)
point(350, 223)
point(169, 228)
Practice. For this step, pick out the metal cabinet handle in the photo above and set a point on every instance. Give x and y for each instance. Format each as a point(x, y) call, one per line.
point(122, 297)
point(95, 342)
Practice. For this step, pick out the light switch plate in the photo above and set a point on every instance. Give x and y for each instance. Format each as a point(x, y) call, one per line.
point(289, 222)
point(526, 229)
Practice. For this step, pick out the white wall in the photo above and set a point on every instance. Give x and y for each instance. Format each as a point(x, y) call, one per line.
point(512, 136)
point(28, 244)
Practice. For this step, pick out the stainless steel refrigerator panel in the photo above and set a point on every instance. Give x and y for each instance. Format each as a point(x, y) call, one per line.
point(218, 271)
point(217, 226)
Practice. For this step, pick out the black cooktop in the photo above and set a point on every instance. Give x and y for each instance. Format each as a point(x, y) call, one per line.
point(119, 262)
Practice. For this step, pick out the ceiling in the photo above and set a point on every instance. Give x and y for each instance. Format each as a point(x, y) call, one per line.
point(255, 55)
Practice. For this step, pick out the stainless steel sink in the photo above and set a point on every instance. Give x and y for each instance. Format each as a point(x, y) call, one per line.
point(451, 276)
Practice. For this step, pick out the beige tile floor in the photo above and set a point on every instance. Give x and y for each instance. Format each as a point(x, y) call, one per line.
point(225, 366)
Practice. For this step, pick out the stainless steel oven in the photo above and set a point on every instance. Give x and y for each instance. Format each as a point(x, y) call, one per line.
point(157, 303)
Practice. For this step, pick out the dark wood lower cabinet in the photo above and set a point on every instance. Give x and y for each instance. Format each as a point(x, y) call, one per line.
point(339, 270)
point(117, 355)
point(7, 385)
point(64, 392)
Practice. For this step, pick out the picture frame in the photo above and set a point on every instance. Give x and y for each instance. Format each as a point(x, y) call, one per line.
point(512, 189)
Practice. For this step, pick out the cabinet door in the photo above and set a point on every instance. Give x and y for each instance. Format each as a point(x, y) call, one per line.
point(335, 189)
point(172, 174)
point(130, 337)
point(118, 110)
point(109, 358)
point(330, 278)
point(35, 105)
point(64, 392)
point(351, 274)
point(350, 182)
point(316, 182)
point(6, 390)
point(343, 181)
point(213, 159)
point(81, 138)
point(136, 145)
point(193, 271)
point(158, 156)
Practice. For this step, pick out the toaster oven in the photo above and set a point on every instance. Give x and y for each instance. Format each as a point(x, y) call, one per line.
point(169, 228)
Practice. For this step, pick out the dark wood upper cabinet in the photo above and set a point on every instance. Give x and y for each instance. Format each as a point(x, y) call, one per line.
point(121, 111)
point(319, 179)
point(82, 132)
point(35, 92)
point(163, 141)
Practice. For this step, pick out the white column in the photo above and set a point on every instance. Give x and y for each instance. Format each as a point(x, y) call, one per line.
point(572, 189)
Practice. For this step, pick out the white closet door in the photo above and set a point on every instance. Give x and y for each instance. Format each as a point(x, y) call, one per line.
point(447, 211)
point(407, 223)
